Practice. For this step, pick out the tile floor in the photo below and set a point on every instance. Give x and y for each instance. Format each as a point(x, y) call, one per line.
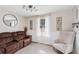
point(37, 48)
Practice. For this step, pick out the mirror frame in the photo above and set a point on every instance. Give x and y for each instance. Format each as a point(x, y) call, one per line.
point(11, 15)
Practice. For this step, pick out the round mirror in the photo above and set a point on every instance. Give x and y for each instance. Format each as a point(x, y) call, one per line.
point(10, 20)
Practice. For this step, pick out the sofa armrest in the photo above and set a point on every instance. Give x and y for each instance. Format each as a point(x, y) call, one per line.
point(2, 50)
point(28, 36)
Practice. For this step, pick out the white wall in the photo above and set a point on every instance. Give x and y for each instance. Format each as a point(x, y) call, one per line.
point(67, 20)
point(33, 31)
point(20, 26)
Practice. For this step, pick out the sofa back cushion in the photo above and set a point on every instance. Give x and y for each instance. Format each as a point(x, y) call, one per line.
point(14, 34)
point(5, 34)
point(18, 35)
point(21, 33)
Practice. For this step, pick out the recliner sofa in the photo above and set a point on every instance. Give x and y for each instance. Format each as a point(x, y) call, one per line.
point(10, 42)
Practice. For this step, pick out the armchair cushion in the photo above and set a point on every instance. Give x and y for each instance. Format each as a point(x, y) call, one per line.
point(63, 47)
point(60, 46)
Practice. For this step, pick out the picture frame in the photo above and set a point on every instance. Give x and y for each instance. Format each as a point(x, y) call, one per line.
point(31, 24)
point(59, 23)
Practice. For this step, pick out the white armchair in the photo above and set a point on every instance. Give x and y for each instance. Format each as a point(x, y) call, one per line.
point(65, 42)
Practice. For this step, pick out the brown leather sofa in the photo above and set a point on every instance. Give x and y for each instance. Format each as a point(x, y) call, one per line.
point(10, 42)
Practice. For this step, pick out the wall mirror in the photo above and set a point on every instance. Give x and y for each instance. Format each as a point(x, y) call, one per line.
point(10, 20)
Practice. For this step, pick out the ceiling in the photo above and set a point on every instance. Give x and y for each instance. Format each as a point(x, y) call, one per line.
point(42, 9)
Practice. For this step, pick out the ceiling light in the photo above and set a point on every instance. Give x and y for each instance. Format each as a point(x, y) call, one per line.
point(30, 8)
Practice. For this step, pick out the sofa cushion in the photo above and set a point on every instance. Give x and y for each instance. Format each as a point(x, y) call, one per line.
point(12, 47)
point(19, 37)
point(5, 34)
point(26, 41)
point(20, 44)
point(3, 46)
point(5, 40)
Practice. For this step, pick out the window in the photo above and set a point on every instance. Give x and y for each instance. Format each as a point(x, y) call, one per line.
point(42, 23)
